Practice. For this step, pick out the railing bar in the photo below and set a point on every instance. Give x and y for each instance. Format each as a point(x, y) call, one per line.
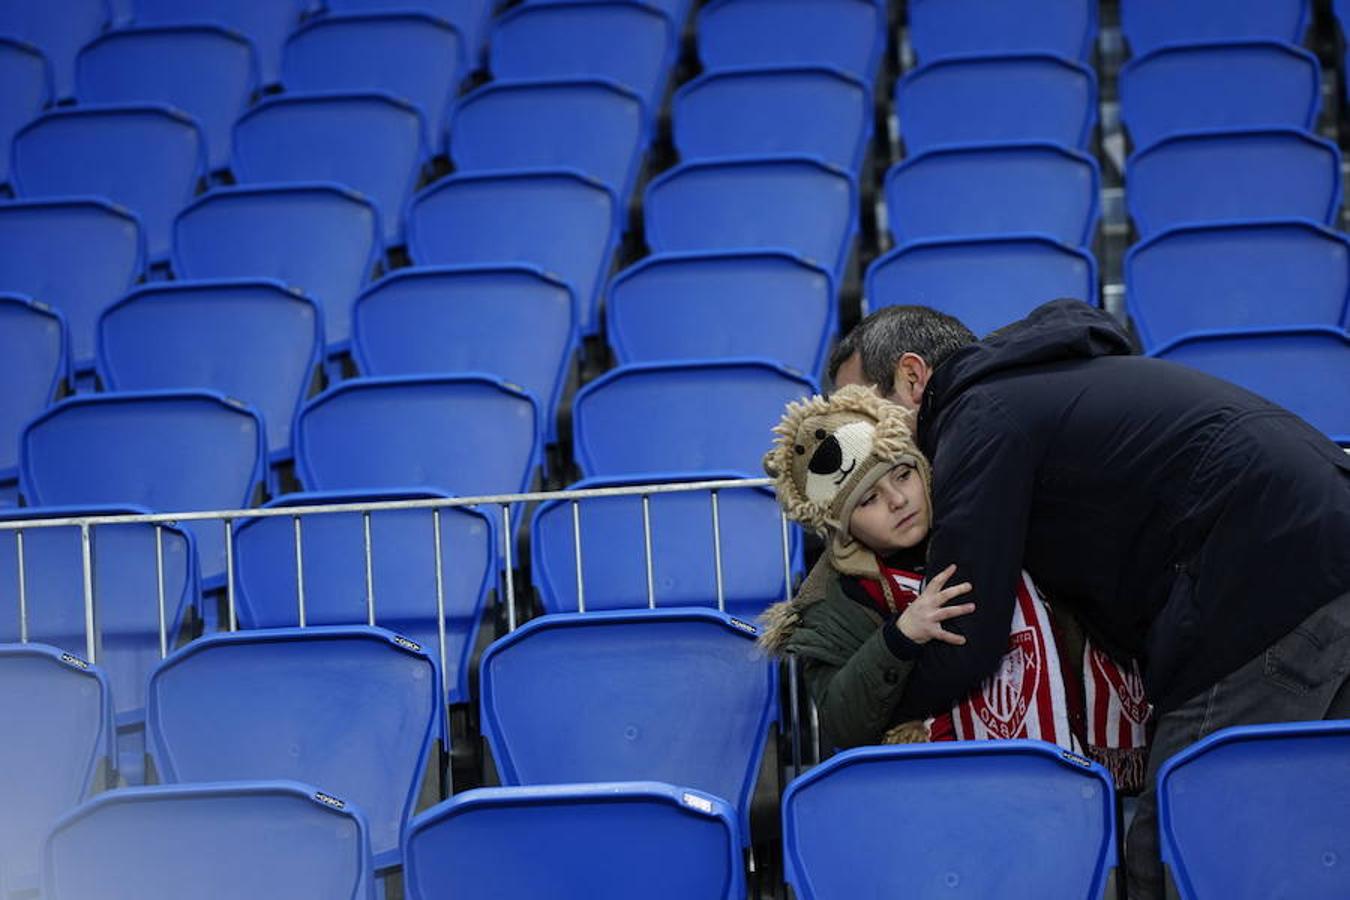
point(717, 552)
point(299, 572)
point(507, 542)
point(370, 570)
point(231, 606)
point(159, 591)
point(647, 549)
point(23, 588)
point(440, 597)
point(87, 566)
point(576, 550)
point(794, 711)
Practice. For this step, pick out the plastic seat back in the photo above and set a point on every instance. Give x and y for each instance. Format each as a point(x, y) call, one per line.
point(275, 838)
point(1149, 24)
point(768, 304)
point(534, 842)
point(838, 817)
point(147, 158)
point(28, 88)
point(714, 416)
point(207, 72)
point(1237, 275)
point(1220, 176)
point(352, 708)
point(1219, 85)
point(954, 276)
point(59, 30)
point(76, 255)
point(847, 35)
point(809, 111)
point(939, 28)
point(997, 99)
point(680, 696)
point(992, 190)
point(470, 17)
point(316, 238)
point(266, 25)
point(34, 362)
point(252, 340)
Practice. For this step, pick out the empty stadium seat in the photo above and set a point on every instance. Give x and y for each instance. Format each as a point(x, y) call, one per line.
point(511, 321)
point(848, 35)
point(697, 416)
point(596, 127)
point(147, 158)
point(810, 111)
point(28, 88)
point(168, 451)
point(1228, 175)
point(620, 40)
point(410, 55)
point(34, 364)
point(1149, 24)
point(403, 573)
point(469, 435)
point(1219, 85)
point(1011, 802)
point(680, 696)
point(684, 549)
point(77, 255)
point(1256, 812)
point(352, 708)
point(939, 28)
point(256, 341)
point(997, 99)
point(205, 71)
point(317, 238)
point(56, 29)
point(994, 189)
point(470, 17)
point(954, 276)
point(264, 24)
point(559, 221)
point(1235, 275)
point(265, 838)
point(765, 303)
point(57, 711)
point(561, 841)
point(1301, 369)
point(780, 203)
point(374, 144)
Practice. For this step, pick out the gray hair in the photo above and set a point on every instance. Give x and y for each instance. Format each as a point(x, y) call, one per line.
point(889, 333)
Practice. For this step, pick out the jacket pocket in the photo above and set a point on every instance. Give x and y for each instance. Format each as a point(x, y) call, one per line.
point(1310, 655)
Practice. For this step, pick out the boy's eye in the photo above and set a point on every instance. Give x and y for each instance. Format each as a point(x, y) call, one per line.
point(867, 501)
point(903, 473)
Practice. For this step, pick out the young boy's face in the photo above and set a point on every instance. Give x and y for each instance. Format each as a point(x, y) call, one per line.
point(893, 514)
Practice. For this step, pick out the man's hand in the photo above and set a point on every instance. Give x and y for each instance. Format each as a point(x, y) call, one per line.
point(922, 620)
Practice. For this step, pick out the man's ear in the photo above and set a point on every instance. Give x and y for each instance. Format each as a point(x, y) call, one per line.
point(911, 377)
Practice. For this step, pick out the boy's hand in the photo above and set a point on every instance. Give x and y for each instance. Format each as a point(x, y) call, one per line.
point(922, 620)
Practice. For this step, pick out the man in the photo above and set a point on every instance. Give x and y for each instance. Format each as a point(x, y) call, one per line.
point(1184, 521)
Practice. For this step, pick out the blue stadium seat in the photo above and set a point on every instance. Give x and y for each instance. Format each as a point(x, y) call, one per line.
point(469, 435)
point(77, 255)
point(28, 87)
point(34, 363)
point(765, 303)
point(670, 695)
point(1149, 24)
point(470, 17)
point(1301, 369)
point(1257, 811)
point(265, 838)
point(592, 126)
point(1225, 175)
point(559, 221)
point(614, 574)
point(678, 10)
point(561, 841)
point(997, 99)
point(985, 189)
point(168, 451)
point(939, 28)
point(511, 321)
point(779, 203)
point(147, 158)
point(62, 708)
point(403, 573)
point(317, 238)
point(352, 708)
point(954, 276)
point(205, 71)
point(413, 56)
point(619, 40)
point(1010, 802)
point(849, 35)
point(715, 415)
point(1235, 275)
point(1219, 85)
point(807, 111)
point(59, 30)
point(264, 24)
point(374, 144)
point(252, 340)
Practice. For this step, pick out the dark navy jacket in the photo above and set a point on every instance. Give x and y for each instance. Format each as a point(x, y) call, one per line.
point(1185, 521)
